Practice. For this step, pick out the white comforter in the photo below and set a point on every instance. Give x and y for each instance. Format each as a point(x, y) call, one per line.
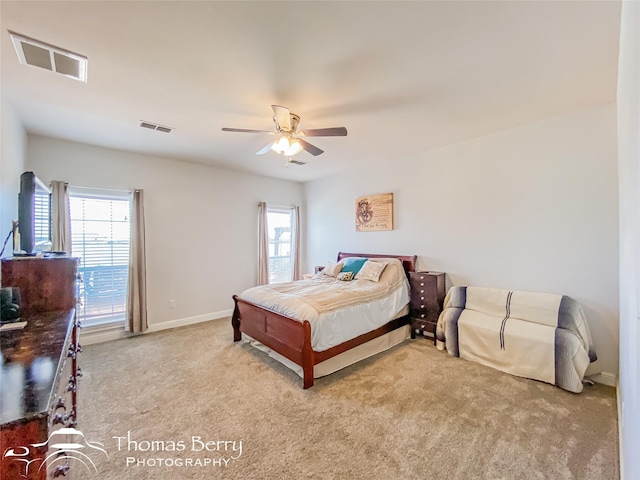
point(337, 311)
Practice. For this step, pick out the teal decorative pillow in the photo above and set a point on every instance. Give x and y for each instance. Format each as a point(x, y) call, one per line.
point(345, 276)
point(353, 264)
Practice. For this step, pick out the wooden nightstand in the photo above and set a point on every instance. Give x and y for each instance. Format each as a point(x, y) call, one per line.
point(425, 305)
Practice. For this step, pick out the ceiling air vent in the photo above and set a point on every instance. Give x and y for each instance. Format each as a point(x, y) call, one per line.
point(40, 54)
point(296, 162)
point(153, 126)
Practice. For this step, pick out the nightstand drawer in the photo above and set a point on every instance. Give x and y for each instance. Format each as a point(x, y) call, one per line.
point(423, 327)
point(424, 315)
point(424, 300)
point(427, 288)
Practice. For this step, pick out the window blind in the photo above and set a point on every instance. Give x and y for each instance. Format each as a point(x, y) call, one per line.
point(100, 232)
point(280, 262)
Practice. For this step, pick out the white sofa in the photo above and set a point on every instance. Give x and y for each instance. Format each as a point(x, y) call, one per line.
point(535, 335)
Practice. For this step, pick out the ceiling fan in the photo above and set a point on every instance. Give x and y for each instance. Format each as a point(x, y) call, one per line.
point(288, 142)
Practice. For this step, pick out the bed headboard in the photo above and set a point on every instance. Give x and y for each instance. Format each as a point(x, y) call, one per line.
point(408, 261)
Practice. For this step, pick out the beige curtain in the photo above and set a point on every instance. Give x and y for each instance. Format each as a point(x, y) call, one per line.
point(263, 245)
point(295, 242)
point(60, 218)
point(137, 288)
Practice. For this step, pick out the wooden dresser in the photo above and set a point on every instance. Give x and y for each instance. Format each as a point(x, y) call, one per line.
point(39, 370)
point(427, 297)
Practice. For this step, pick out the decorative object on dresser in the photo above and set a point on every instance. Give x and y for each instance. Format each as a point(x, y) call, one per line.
point(39, 373)
point(427, 298)
point(9, 305)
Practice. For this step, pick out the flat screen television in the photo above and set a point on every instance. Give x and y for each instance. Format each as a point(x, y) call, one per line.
point(34, 215)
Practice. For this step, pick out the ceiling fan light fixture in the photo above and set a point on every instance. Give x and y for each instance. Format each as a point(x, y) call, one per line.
point(287, 126)
point(287, 146)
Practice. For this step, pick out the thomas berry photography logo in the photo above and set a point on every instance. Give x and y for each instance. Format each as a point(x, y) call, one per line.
point(195, 451)
point(66, 447)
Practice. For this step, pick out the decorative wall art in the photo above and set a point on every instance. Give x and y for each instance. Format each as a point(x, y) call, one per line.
point(374, 213)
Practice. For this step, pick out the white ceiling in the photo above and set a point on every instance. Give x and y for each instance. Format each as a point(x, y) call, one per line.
point(403, 77)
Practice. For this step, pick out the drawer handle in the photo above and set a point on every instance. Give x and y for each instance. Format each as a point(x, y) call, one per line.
point(422, 316)
point(58, 419)
point(421, 306)
point(70, 419)
point(74, 351)
point(60, 404)
point(421, 291)
point(422, 284)
point(421, 298)
point(61, 471)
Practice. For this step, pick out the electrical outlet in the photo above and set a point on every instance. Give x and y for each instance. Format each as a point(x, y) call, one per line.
point(172, 304)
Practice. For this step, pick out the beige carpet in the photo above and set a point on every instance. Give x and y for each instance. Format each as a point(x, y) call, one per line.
point(410, 413)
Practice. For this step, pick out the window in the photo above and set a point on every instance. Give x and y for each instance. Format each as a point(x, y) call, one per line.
point(42, 220)
point(280, 260)
point(100, 232)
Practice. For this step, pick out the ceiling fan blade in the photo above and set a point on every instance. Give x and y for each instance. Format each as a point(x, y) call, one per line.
point(244, 130)
point(325, 132)
point(265, 149)
point(283, 117)
point(312, 149)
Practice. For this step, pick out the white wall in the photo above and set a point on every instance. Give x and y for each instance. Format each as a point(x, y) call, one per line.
point(629, 166)
point(201, 222)
point(12, 160)
point(531, 208)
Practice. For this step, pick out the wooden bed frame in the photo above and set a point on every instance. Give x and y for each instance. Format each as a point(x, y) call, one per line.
point(291, 338)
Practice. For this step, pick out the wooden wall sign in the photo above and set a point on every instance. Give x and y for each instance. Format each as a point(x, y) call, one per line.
point(374, 213)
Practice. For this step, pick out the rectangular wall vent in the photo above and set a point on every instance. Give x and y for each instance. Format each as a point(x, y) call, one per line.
point(153, 126)
point(39, 54)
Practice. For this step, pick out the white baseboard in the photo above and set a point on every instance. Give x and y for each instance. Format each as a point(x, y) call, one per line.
point(606, 378)
point(91, 336)
point(106, 334)
point(620, 430)
point(183, 322)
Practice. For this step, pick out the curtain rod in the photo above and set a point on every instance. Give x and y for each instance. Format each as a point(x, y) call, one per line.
point(277, 206)
point(105, 189)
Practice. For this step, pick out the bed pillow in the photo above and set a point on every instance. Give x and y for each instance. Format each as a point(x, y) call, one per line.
point(353, 264)
point(345, 276)
point(371, 271)
point(332, 269)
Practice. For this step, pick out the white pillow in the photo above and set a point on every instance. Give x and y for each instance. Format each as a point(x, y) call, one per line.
point(371, 271)
point(332, 269)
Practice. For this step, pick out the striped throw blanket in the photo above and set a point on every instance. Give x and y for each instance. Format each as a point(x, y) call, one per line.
point(535, 335)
